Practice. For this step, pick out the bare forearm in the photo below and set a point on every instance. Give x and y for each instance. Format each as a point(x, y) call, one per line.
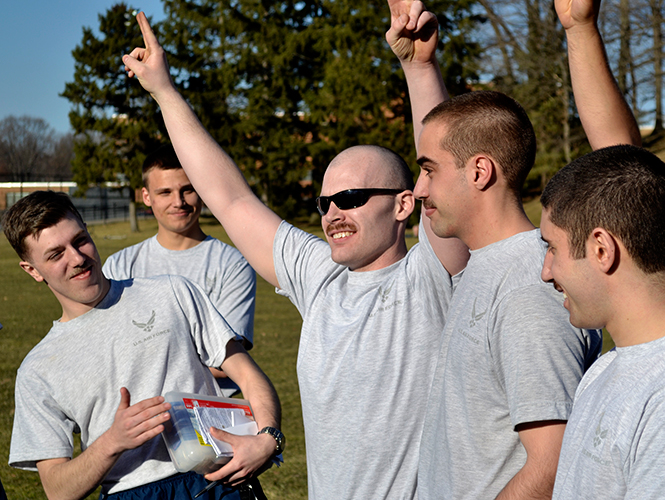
point(606, 117)
point(261, 394)
point(72, 479)
point(529, 484)
point(426, 90)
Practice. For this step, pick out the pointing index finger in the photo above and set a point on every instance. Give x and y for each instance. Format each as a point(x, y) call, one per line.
point(149, 37)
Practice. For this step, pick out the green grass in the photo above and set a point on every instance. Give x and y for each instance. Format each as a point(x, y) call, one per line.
point(27, 310)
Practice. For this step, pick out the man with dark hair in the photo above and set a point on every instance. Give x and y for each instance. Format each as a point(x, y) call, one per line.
point(372, 312)
point(181, 247)
point(147, 336)
point(604, 223)
point(509, 361)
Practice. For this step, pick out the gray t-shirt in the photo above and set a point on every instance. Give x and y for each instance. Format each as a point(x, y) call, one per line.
point(614, 440)
point(367, 353)
point(219, 269)
point(149, 335)
point(509, 356)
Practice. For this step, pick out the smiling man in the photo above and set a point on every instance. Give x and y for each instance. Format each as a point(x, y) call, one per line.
point(80, 376)
point(180, 247)
point(372, 312)
point(604, 223)
point(509, 361)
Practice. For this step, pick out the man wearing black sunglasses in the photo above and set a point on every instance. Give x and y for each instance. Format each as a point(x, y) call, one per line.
point(510, 360)
point(372, 312)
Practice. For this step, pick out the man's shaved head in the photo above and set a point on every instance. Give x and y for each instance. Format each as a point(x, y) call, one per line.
point(393, 172)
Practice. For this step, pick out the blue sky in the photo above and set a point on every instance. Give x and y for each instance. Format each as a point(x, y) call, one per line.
point(37, 38)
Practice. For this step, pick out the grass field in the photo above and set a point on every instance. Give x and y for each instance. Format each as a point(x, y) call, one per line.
point(27, 310)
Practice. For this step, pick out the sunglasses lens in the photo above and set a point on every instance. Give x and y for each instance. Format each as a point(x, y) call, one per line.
point(351, 198)
point(347, 200)
point(323, 204)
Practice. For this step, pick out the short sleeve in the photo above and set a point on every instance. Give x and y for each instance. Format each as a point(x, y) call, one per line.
point(237, 298)
point(302, 265)
point(538, 354)
point(209, 330)
point(41, 430)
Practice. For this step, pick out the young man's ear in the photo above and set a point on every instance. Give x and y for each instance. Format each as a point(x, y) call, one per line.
point(405, 205)
point(604, 249)
point(482, 172)
point(30, 269)
point(146, 197)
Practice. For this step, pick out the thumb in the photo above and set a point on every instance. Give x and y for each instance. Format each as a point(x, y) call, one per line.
point(396, 29)
point(132, 64)
point(124, 399)
point(223, 435)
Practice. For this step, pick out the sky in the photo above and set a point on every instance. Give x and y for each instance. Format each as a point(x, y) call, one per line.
point(37, 38)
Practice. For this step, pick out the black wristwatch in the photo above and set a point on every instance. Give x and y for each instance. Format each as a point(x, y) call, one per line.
point(279, 438)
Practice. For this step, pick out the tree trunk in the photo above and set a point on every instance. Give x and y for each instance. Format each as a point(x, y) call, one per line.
point(657, 17)
point(624, 46)
point(133, 219)
point(565, 97)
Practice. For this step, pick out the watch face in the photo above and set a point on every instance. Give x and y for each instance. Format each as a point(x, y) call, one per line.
point(277, 435)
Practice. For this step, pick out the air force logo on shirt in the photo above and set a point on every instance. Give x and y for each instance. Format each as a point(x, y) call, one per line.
point(146, 327)
point(473, 333)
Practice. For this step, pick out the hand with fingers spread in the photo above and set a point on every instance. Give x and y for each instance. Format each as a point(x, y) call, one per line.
point(149, 64)
point(136, 424)
point(251, 456)
point(577, 13)
point(413, 33)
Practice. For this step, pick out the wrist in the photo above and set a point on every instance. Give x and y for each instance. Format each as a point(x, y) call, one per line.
point(414, 66)
point(279, 441)
point(583, 30)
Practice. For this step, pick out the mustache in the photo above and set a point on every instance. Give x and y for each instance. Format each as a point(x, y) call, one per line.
point(81, 269)
point(343, 226)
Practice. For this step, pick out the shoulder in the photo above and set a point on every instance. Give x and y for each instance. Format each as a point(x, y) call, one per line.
point(293, 243)
point(123, 258)
point(514, 266)
point(228, 253)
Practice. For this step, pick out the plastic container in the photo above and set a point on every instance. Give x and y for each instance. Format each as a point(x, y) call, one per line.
point(182, 435)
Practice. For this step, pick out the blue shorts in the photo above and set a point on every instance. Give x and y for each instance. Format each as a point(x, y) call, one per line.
point(180, 486)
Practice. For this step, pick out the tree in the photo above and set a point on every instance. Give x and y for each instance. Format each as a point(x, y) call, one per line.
point(30, 150)
point(527, 56)
point(285, 86)
point(113, 118)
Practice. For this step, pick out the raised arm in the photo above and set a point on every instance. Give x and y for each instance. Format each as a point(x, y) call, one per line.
point(413, 36)
point(249, 223)
point(605, 115)
point(65, 478)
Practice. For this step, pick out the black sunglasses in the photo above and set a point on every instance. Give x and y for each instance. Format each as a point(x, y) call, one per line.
point(351, 198)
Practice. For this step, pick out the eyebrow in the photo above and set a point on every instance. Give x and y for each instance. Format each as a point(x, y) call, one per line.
point(58, 247)
point(423, 159)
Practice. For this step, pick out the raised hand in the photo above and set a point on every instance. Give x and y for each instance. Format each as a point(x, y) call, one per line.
point(149, 64)
point(251, 456)
point(413, 33)
point(575, 13)
point(136, 424)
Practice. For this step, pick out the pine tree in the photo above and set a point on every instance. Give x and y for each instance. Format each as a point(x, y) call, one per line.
point(112, 116)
